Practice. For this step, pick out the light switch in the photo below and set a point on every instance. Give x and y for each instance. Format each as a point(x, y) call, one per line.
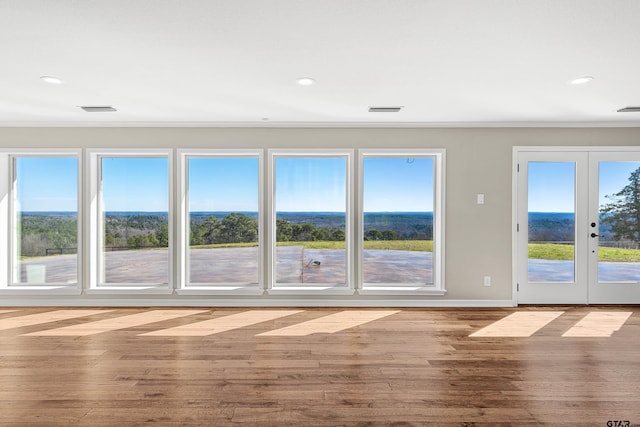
point(480, 199)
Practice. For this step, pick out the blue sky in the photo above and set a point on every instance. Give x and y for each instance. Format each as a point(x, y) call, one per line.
point(613, 177)
point(551, 184)
point(311, 184)
point(135, 184)
point(398, 184)
point(49, 184)
point(223, 184)
point(303, 184)
point(392, 184)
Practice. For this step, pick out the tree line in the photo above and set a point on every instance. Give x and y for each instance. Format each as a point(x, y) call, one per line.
point(233, 228)
point(42, 233)
point(241, 228)
point(45, 232)
point(136, 231)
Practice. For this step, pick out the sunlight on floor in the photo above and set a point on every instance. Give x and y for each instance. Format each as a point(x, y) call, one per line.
point(332, 323)
point(519, 324)
point(599, 324)
point(116, 323)
point(223, 324)
point(47, 317)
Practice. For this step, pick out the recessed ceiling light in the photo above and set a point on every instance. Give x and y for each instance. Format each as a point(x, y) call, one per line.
point(384, 109)
point(98, 108)
point(305, 81)
point(581, 80)
point(51, 80)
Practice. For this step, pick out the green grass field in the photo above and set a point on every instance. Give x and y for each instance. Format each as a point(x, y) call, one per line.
point(400, 245)
point(394, 245)
point(397, 245)
point(226, 245)
point(565, 253)
point(546, 251)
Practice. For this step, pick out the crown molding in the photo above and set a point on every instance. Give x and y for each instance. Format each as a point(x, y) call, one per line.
point(202, 124)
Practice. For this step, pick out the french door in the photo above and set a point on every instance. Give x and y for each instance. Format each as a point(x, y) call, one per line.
point(578, 226)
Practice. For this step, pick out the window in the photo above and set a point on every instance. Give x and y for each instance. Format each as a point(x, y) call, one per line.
point(401, 211)
point(44, 219)
point(551, 197)
point(222, 219)
point(132, 223)
point(311, 216)
point(324, 232)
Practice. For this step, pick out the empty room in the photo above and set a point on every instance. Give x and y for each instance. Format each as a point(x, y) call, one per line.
point(319, 213)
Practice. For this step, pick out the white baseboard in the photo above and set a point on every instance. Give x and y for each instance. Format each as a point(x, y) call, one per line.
point(278, 301)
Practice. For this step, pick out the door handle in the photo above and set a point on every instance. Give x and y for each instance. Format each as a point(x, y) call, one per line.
point(594, 235)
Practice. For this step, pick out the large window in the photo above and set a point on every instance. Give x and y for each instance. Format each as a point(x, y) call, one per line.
point(311, 209)
point(44, 219)
point(222, 219)
point(133, 219)
point(401, 219)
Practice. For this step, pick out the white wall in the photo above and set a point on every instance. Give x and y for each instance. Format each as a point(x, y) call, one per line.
point(478, 160)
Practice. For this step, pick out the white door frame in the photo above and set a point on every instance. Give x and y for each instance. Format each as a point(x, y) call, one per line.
point(595, 154)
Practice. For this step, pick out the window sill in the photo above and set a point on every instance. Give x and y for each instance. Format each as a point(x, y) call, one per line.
point(310, 290)
point(220, 290)
point(133, 289)
point(41, 290)
point(401, 290)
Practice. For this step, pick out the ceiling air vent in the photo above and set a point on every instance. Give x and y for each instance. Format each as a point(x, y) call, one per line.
point(98, 108)
point(629, 110)
point(384, 109)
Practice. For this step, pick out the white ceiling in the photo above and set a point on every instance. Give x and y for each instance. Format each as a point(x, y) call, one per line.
point(235, 62)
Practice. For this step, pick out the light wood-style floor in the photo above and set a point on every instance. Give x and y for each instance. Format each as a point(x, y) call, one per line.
point(319, 367)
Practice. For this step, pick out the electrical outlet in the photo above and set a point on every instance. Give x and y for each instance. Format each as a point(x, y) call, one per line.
point(487, 280)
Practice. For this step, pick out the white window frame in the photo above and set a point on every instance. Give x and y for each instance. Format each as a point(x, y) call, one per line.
point(95, 222)
point(183, 217)
point(8, 236)
point(308, 289)
point(438, 285)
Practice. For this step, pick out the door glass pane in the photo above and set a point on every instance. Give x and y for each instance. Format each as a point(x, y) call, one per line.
point(135, 204)
point(223, 218)
point(398, 220)
point(619, 228)
point(551, 214)
point(46, 216)
point(311, 208)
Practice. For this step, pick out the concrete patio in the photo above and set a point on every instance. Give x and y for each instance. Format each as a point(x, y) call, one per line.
point(294, 264)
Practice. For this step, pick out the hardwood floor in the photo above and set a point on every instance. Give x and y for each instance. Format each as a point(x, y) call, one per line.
point(319, 367)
